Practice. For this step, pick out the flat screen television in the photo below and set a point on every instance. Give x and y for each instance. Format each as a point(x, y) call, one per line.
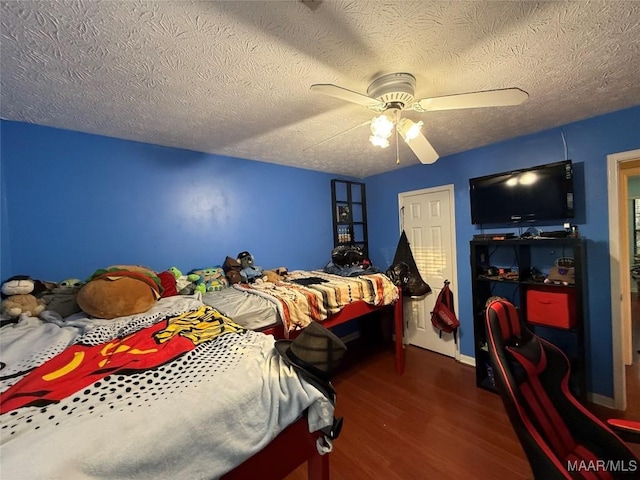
point(528, 195)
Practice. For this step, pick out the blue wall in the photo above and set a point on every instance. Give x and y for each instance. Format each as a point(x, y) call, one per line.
point(77, 202)
point(588, 142)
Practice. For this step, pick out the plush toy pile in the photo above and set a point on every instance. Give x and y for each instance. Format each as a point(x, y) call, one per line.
point(209, 279)
point(122, 290)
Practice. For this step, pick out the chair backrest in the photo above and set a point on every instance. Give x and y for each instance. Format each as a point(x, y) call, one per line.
point(519, 360)
point(531, 376)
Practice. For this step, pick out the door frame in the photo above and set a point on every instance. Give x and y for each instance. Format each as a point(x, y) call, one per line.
point(449, 188)
point(618, 266)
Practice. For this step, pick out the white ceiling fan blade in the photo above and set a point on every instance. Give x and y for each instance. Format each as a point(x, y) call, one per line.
point(348, 95)
point(423, 149)
point(336, 135)
point(489, 98)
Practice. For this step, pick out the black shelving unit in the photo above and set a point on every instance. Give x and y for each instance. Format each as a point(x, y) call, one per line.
point(523, 256)
point(348, 200)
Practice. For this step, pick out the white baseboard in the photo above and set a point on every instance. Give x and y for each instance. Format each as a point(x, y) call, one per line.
point(601, 400)
point(464, 359)
point(467, 360)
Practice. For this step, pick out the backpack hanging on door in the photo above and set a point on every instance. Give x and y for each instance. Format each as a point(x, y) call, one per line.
point(443, 316)
point(404, 273)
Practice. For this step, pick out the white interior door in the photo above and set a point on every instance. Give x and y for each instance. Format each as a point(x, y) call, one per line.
point(427, 217)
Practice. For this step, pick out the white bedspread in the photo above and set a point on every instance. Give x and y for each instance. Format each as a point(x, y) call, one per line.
point(198, 416)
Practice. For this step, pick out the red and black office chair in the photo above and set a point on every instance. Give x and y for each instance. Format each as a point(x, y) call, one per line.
point(561, 438)
point(628, 430)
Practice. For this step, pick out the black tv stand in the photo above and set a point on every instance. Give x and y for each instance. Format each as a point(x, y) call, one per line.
point(519, 255)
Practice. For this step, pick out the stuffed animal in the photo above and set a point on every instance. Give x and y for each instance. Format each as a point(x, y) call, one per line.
point(120, 290)
point(168, 282)
point(209, 279)
point(250, 272)
point(277, 275)
point(61, 297)
point(185, 284)
point(19, 300)
point(232, 268)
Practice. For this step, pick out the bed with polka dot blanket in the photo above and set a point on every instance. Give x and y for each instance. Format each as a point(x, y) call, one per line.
point(180, 391)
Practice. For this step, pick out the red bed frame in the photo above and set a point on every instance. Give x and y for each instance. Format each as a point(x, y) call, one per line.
point(290, 449)
point(295, 445)
point(355, 310)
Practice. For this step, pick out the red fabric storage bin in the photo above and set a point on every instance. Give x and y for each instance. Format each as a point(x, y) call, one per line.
point(551, 308)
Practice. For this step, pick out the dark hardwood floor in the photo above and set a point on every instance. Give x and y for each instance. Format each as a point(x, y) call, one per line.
point(632, 375)
point(430, 423)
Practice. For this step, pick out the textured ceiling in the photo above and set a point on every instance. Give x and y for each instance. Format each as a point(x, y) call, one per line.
point(232, 78)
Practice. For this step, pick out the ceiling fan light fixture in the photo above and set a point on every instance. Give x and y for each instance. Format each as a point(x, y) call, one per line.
point(390, 95)
point(381, 126)
point(409, 129)
point(379, 141)
point(393, 88)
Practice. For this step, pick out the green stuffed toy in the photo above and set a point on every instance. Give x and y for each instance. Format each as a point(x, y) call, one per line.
point(210, 279)
point(185, 284)
point(61, 298)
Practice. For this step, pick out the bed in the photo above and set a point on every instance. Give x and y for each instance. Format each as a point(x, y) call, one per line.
point(177, 392)
point(283, 308)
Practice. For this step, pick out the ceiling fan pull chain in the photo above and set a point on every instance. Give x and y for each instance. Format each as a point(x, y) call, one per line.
point(397, 144)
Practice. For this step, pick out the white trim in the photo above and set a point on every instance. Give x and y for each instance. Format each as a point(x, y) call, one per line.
point(449, 188)
point(467, 360)
point(619, 386)
point(598, 399)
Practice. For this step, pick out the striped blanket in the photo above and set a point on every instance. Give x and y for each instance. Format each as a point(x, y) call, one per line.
point(308, 296)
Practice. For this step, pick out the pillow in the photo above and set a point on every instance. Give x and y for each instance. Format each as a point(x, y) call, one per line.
point(168, 282)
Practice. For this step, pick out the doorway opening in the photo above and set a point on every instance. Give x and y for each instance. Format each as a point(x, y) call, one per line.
point(621, 167)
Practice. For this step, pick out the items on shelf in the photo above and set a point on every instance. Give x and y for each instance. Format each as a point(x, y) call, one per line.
point(344, 235)
point(550, 304)
point(349, 205)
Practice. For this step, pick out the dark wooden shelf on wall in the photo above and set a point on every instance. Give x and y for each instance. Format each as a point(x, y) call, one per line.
point(526, 256)
point(349, 204)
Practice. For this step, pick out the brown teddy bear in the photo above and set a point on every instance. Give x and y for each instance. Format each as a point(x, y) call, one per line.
point(120, 290)
point(232, 268)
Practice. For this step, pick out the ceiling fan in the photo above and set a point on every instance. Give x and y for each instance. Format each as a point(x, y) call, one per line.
point(392, 94)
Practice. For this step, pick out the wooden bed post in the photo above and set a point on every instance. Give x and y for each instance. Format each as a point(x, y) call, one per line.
point(271, 464)
point(398, 316)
